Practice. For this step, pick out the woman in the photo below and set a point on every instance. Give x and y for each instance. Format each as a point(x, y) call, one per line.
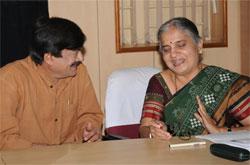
point(191, 98)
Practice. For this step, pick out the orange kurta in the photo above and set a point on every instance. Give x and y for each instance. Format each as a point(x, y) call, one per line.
point(34, 110)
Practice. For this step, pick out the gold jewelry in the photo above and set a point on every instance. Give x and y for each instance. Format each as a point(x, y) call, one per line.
point(175, 85)
point(150, 135)
point(175, 78)
point(200, 51)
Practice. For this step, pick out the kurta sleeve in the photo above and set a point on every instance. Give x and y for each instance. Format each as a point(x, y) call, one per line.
point(89, 109)
point(9, 128)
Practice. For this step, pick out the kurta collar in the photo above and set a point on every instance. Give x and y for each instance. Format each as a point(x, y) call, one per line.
point(47, 78)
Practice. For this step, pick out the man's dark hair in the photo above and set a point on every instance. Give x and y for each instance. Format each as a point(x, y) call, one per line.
point(52, 35)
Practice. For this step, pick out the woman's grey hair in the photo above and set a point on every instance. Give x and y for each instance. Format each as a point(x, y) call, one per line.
point(183, 24)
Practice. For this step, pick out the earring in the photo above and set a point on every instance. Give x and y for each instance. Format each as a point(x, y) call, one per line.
point(200, 51)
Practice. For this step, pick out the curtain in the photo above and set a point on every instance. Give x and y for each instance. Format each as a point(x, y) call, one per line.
point(17, 18)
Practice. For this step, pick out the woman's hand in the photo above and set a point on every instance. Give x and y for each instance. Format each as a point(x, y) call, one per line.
point(159, 130)
point(205, 119)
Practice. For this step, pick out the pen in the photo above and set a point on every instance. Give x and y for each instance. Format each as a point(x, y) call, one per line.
point(187, 144)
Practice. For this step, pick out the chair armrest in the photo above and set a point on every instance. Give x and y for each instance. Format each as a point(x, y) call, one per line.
point(113, 137)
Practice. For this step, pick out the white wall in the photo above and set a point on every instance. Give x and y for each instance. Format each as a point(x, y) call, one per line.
point(97, 20)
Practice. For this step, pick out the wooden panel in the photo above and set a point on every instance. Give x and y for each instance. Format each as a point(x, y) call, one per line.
point(245, 36)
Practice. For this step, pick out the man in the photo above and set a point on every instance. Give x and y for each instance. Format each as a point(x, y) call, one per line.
point(48, 98)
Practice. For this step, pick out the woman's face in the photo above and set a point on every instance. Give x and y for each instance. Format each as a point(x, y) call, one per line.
point(180, 52)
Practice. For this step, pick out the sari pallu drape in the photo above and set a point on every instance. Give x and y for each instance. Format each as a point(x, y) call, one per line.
point(212, 85)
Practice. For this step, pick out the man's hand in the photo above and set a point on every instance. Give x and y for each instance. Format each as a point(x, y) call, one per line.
point(91, 133)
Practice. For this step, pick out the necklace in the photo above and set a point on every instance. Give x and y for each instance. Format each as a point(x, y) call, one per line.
point(175, 78)
point(175, 85)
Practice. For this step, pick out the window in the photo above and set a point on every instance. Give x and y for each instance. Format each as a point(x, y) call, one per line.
point(137, 22)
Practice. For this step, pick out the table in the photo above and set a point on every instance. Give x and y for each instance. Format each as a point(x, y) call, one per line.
point(130, 151)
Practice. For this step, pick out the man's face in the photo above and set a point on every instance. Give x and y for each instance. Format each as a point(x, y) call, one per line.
point(66, 66)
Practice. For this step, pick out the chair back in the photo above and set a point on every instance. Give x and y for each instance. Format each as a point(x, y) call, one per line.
point(125, 94)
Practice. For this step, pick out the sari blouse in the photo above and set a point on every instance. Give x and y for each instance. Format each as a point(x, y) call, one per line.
point(233, 108)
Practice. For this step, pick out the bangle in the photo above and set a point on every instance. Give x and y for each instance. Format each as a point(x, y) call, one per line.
point(150, 136)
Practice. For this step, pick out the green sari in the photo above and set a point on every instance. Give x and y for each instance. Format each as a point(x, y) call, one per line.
point(211, 85)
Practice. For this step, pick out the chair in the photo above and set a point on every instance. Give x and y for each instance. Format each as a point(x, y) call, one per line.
point(124, 100)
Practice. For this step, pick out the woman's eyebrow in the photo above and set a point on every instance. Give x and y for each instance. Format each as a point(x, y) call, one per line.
point(174, 43)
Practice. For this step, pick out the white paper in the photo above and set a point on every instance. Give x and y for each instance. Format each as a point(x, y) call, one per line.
point(238, 138)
